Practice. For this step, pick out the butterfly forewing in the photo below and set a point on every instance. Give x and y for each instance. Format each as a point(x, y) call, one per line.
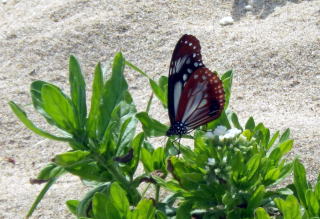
point(202, 99)
point(186, 59)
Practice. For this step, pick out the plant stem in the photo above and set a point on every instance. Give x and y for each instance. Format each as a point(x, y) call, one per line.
point(114, 171)
point(145, 190)
point(149, 103)
point(157, 193)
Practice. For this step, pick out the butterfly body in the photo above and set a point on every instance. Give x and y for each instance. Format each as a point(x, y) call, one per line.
point(195, 94)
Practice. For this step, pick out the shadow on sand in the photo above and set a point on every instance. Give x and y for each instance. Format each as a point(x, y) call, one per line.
point(261, 8)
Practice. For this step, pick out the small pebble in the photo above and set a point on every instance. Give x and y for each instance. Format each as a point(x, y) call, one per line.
point(226, 21)
point(248, 7)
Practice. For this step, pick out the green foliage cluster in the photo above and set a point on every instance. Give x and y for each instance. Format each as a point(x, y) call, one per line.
point(229, 171)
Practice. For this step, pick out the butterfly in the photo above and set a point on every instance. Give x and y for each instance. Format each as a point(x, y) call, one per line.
point(195, 94)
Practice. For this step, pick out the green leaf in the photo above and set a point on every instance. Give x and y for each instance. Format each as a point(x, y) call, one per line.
point(99, 203)
point(72, 206)
point(300, 181)
point(262, 134)
point(50, 171)
point(41, 195)
point(126, 134)
point(237, 166)
point(250, 124)
point(146, 158)
point(144, 209)
point(151, 127)
point(227, 85)
point(171, 185)
point(119, 199)
point(286, 146)
point(158, 158)
point(60, 108)
point(312, 203)
point(136, 146)
point(90, 171)
point(253, 165)
point(290, 207)
point(256, 198)
point(285, 136)
point(136, 69)
point(235, 121)
point(163, 84)
point(71, 158)
point(157, 90)
point(113, 92)
point(160, 215)
point(108, 142)
point(317, 190)
point(190, 181)
point(35, 90)
point(95, 114)
point(261, 214)
point(272, 175)
point(285, 171)
point(282, 149)
point(78, 90)
point(125, 125)
point(87, 202)
point(24, 119)
point(273, 139)
point(184, 210)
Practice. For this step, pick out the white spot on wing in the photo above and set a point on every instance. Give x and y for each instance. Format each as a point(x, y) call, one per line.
point(189, 70)
point(195, 76)
point(190, 44)
point(188, 61)
point(185, 77)
point(194, 55)
point(195, 64)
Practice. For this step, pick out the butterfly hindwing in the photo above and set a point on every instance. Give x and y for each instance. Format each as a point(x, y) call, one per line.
point(202, 99)
point(186, 59)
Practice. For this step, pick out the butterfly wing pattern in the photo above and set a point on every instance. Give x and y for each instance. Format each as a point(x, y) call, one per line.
point(195, 94)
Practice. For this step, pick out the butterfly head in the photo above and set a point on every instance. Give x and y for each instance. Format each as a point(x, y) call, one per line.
point(177, 128)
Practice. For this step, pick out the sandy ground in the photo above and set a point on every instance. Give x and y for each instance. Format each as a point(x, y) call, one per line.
point(275, 53)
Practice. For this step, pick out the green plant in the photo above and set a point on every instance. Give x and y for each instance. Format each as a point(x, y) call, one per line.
point(99, 139)
point(228, 170)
